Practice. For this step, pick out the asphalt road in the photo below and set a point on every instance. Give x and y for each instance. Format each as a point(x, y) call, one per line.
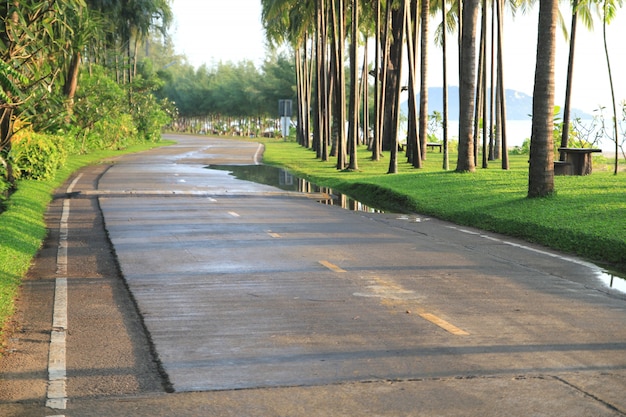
point(191, 293)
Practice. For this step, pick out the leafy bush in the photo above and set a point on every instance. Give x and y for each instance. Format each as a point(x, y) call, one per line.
point(100, 112)
point(4, 184)
point(35, 155)
point(523, 149)
point(150, 116)
point(112, 133)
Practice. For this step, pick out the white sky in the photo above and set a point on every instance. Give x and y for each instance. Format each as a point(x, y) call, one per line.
point(209, 31)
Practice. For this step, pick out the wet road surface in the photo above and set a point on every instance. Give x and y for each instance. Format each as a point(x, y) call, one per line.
point(262, 302)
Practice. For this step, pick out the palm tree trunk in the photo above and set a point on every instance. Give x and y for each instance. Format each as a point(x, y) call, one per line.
point(569, 80)
point(376, 145)
point(503, 139)
point(398, 35)
point(479, 94)
point(365, 93)
point(301, 95)
point(338, 27)
point(392, 89)
point(353, 124)
point(384, 75)
point(71, 82)
point(541, 170)
point(467, 88)
point(412, 142)
point(6, 133)
point(423, 119)
point(446, 162)
point(492, 77)
point(608, 66)
point(483, 86)
point(497, 148)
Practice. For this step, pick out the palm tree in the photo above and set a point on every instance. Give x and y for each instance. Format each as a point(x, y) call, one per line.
point(541, 169)
point(413, 142)
point(579, 9)
point(322, 114)
point(390, 130)
point(446, 163)
point(501, 96)
point(292, 22)
point(423, 118)
point(353, 123)
point(448, 22)
point(467, 86)
point(375, 147)
point(338, 23)
point(608, 13)
point(393, 62)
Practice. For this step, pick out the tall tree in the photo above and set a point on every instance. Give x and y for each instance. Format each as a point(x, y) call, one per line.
point(608, 13)
point(444, 29)
point(424, 37)
point(339, 81)
point(541, 169)
point(353, 122)
point(501, 96)
point(580, 9)
point(467, 86)
point(393, 63)
point(413, 142)
point(391, 131)
point(376, 146)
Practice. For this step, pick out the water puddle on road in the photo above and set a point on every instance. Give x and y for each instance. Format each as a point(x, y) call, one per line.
point(283, 179)
point(613, 280)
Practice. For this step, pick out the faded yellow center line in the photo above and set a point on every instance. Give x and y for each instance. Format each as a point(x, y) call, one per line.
point(393, 294)
point(331, 266)
point(272, 234)
point(450, 328)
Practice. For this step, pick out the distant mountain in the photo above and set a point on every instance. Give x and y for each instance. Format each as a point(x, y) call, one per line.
point(518, 105)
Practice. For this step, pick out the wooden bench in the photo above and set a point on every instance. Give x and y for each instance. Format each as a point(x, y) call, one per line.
point(402, 146)
point(432, 145)
point(577, 161)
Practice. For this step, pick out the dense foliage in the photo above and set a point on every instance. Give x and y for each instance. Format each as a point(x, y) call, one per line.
point(229, 94)
point(72, 80)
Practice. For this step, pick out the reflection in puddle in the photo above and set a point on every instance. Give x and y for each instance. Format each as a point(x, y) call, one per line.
point(613, 280)
point(283, 179)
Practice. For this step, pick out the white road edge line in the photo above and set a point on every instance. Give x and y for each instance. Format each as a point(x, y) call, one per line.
point(259, 149)
point(517, 245)
point(56, 396)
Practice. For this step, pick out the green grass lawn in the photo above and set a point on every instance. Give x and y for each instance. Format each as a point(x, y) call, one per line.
point(586, 216)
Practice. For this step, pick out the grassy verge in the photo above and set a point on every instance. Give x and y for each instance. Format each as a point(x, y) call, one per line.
point(586, 216)
point(22, 225)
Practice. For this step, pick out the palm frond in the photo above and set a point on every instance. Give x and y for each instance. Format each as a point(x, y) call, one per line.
point(9, 80)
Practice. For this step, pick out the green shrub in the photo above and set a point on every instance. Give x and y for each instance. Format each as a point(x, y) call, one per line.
point(100, 112)
point(112, 133)
point(4, 184)
point(36, 156)
point(523, 149)
point(150, 116)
